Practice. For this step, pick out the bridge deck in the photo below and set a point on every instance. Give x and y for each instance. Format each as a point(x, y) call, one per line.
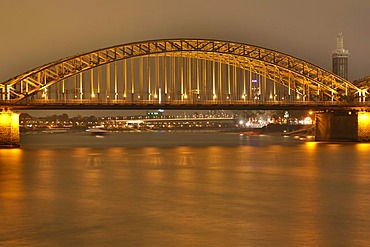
point(183, 104)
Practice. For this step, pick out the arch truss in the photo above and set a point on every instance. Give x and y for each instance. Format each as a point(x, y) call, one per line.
point(178, 70)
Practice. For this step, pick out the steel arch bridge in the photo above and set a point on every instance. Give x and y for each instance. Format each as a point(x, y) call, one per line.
point(178, 73)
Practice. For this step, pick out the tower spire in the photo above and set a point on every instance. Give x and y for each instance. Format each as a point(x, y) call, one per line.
point(340, 58)
point(340, 45)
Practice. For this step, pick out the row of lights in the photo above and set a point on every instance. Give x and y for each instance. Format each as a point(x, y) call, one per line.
point(185, 96)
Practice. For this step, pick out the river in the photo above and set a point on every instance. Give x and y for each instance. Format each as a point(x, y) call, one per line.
point(183, 189)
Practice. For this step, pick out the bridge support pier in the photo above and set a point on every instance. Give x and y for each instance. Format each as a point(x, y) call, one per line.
point(9, 129)
point(351, 126)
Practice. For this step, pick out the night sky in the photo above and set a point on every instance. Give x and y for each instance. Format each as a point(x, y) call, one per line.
point(35, 32)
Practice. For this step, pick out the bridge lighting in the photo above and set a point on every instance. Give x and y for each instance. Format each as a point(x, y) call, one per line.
point(363, 122)
point(307, 121)
point(9, 126)
point(214, 96)
point(185, 96)
point(298, 97)
point(243, 96)
point(92, 95)
point(310, 112)
point(363, 117)
point(124, 96)
point(211, 51)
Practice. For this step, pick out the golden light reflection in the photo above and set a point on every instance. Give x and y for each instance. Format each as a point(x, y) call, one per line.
point(116, 150)
point(12, 186)
point(245, 156)
point(93, 161)
point(11, 165)
point(10, 155)
point(363, 147)
point(151, 150)
point(361, 163)
point(311, 145)
point(45, 174)
point(214, 156)
point(216, 162)
point(92, 175)
point(118, 155)
point(185, 156)
point(154, 156)
point(45, 159)
point(80, 152)
point(310, 169)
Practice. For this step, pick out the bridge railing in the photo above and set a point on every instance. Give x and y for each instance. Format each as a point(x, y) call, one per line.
point(49, 103)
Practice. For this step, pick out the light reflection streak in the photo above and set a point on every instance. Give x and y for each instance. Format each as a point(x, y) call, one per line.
point(184, 156)
point(214, 156)
point(311, 146)
point(12, 188)
point(361, 165)
point(152, 156)
point(215, 165)
point(45, 174)
point(11, 166)
point(363, 147)
point(362, 178)
point(45, 159)
point(80, 152)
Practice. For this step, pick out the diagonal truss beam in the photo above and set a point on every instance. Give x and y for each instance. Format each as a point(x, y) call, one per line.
point(244, 56)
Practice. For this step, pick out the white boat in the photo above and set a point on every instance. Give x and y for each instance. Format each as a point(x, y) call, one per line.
point(97, 130)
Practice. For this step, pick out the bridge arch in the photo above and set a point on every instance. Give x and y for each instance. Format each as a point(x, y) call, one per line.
point(179, 69)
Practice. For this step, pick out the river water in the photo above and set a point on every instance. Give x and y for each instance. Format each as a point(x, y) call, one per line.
point(183, 189)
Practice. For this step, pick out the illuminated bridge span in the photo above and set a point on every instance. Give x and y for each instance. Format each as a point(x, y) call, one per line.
point(179, 74)
point(188, 74)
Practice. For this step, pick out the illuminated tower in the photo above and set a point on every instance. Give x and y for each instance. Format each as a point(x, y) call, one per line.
point(340, 58)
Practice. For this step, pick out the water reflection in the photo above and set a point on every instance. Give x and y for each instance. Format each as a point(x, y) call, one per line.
point(11, 181)
point(313, 194)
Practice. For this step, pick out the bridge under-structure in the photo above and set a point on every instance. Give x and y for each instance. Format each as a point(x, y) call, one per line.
point(185, 74)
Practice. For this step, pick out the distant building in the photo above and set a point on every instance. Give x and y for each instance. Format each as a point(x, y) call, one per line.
point(340, 58)
point(154, 114)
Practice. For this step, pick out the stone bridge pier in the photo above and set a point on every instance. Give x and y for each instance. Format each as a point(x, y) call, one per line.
point(9, 129)
point(343, 126)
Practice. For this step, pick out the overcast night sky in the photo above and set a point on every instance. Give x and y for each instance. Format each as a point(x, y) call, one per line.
point(35, 32)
